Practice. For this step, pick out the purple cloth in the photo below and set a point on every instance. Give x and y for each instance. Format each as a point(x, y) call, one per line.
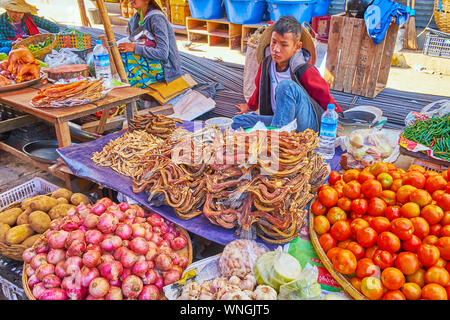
point(78, 159)
point(18, 28)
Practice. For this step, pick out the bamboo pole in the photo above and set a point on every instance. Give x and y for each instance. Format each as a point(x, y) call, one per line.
point(84, 19)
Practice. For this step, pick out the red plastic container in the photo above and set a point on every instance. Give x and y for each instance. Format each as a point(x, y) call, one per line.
point(321, 27)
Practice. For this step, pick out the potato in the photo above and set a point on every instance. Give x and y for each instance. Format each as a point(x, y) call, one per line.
point(22, 219)
point(3, 231)
point(10, 216)
point(60, 211)
point(39, 221)
point(26, 203)
point(18, 234)
point(44, 203)
point(62, 201)
point(62, 193)
point(28, 242)
point(78, 198)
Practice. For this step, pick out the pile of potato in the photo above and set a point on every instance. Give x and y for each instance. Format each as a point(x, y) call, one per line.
point(25, 224)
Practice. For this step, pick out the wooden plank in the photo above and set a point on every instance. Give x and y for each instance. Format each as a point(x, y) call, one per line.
point(353, 54)
point(344, 56)
point(18, 122)
point(102, 122)
point(370, 58)
point(63, 133)
point(334, 49)
point(362, 66)
point(387, 54)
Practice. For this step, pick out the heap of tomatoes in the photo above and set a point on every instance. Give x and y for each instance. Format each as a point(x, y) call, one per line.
point(388, 229)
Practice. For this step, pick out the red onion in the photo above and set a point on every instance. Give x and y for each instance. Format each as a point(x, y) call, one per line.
point(183, 262)
point(30, 271)
point(76, 293)
point(179, 269)
point(171, 277)
point(178, 243)
point(60, 269)
point(128, 258)
point(110, 270)
point(44, 269)
point(149, 277)
point(38, 260)
point(164, 228)
point(139, 220)
point(114, 293)
point(106, 258)
point(139, 211)
point(28, 254)
point(50, 232)
point(118, 253)
point(41, 247)
point(155, 219)
point(106, 201)
point(55, 224)
point(32, 281)
point(110, 243)
point(149, 292)
point(94, 237)
point(124, 206)
point(117, 213)
point(139, 245)
point(98, 209)
point(115, 283)
point(94, 247)
point(73, 265)
point(91, 258)
point(89, 297)
point(159, 283)
point(148, 235)
point(156, 239)
point(91, 220)
point(56, 255)
point(138, 230)
point(87, 275)
point(58, 239)
point(83, 228)
point(81, 207)
point(153, 245)
point(151, 264)
point(140, 268)
point(38, 290)
point(71, 223)
point(151, 254)
point(98, 287)
point(168, 236)
point(175, 259)
point(163, 262)
point(125, 273)
point(107, 223)
point(164, 244)
point(75, 235)
point(51, 281)
point(132, 286)
point(156, 229)
point(130, 213)
point(76, 248)
point(53, 294)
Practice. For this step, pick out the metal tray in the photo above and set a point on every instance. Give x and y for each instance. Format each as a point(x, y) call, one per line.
point(21, 85)
point(42, 150)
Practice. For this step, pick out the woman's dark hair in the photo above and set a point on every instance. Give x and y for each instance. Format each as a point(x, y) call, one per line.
point(288, 24)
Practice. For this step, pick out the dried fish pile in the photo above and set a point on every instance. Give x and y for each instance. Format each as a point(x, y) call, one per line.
point(259, 182)
point(123, 154)
point(156, 124)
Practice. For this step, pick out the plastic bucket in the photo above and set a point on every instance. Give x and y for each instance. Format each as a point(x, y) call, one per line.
point(245, 11)
point(301, 10)
point(207, 9)
point(321, 8)
point(222, 122)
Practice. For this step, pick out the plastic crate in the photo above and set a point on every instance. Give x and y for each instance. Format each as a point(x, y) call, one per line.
point(26, 190)
point(437, 43)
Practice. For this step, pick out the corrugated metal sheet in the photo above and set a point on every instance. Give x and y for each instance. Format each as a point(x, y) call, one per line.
point(424, 10)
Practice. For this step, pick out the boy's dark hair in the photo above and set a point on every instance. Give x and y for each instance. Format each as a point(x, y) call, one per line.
point(288, 24)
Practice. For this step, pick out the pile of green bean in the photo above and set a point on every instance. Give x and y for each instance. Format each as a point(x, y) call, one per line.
point(433, 133)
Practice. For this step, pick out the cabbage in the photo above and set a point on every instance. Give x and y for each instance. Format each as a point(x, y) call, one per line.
point(304, 287)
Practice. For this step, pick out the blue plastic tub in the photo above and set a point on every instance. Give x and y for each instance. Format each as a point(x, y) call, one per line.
point(245, 11)
point(321, 8)
point(207, 9)
point(301, 10)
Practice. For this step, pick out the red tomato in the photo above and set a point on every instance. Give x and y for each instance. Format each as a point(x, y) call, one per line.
point(321, 225)
point(371, 189)
point(376, 207)
point(327, 241)
point(385, 179)
point(372, 288)
point(396, 184)
point(429, 173)
point(432, 213)
point(383, 259)
point(396, 174)
point(393, 295)
point(370, 252)
point(366, 268)
point(356, 283)
point(437, 275)
point(444, 201)
point(380, 224)
point(411, 244)
point(404, 192)
point(328, 197)
point(412, 291)
point(357, 224)
point(388, 196)
point(341, 230)
point(445, 231)
point(392, 212)
point(339, 189)
point(366, 237)
point(360, 206)
point(364, 175)
point(345, 204)
point(421, 197)
point(416, 167)
point(350, 175)
point(417, 277)
point(335, 214)
point(446, 219)
point(407, 262)
point(402, 228)
point(434, 291)
point(415, 179)
point(357, 249)
point(332, 252)
point(430, 239)
point(443, 245)
point(318, 208)
point(344, 262)
point(410, 210)
point(434, 183)
point(392, 278)
point(334, 177)
point(378, 168)
point(421, 227)
point(389, 242)
point(435, 230)
point(344, 244)
point(428, 254)
point(352, 190)
point(391, 167)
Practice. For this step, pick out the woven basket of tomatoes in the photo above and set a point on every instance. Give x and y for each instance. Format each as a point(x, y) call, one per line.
point(384, 233)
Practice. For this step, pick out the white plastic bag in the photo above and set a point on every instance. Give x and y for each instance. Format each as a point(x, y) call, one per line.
point(62, 57)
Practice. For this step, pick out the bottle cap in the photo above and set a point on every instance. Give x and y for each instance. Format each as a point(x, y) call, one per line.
point(331, 106)
point(98, 42)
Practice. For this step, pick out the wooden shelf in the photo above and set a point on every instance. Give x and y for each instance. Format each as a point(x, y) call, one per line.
point(248, 29)
point(220, 32)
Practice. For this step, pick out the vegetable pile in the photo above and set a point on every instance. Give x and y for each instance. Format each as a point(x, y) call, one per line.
point(40, 45)
point(388, 230)
point(106, 251)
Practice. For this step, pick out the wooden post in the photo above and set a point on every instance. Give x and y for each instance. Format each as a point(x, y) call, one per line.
point(84, 19)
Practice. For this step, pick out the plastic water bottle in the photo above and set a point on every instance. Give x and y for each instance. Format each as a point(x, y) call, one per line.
point(328, 129)
point(101, 62)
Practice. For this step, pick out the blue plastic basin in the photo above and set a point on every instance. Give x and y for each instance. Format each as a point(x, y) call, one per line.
point(207, 9)
point(301, 10)
point(321, 8)
point(245, 11)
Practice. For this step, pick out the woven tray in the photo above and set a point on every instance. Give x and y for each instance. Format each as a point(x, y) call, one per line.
point(185, 252)
point(39, 38)
point(343, 280)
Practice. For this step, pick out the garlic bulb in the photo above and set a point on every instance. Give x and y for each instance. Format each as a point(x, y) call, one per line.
point(235, 281)
point(264, 292)
point(248, 283)
point(237, 295)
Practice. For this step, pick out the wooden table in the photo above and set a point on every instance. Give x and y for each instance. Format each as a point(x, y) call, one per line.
point(60, 117)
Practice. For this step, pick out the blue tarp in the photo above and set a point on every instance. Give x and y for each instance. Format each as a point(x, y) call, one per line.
point(78, 159)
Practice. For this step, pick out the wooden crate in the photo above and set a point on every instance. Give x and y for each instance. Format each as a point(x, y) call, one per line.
point(354, 63)
point(179, 13)
point(219, 32)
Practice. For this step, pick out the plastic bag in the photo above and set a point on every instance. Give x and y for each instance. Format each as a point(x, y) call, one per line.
point(63, 57)
point(304, 287)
